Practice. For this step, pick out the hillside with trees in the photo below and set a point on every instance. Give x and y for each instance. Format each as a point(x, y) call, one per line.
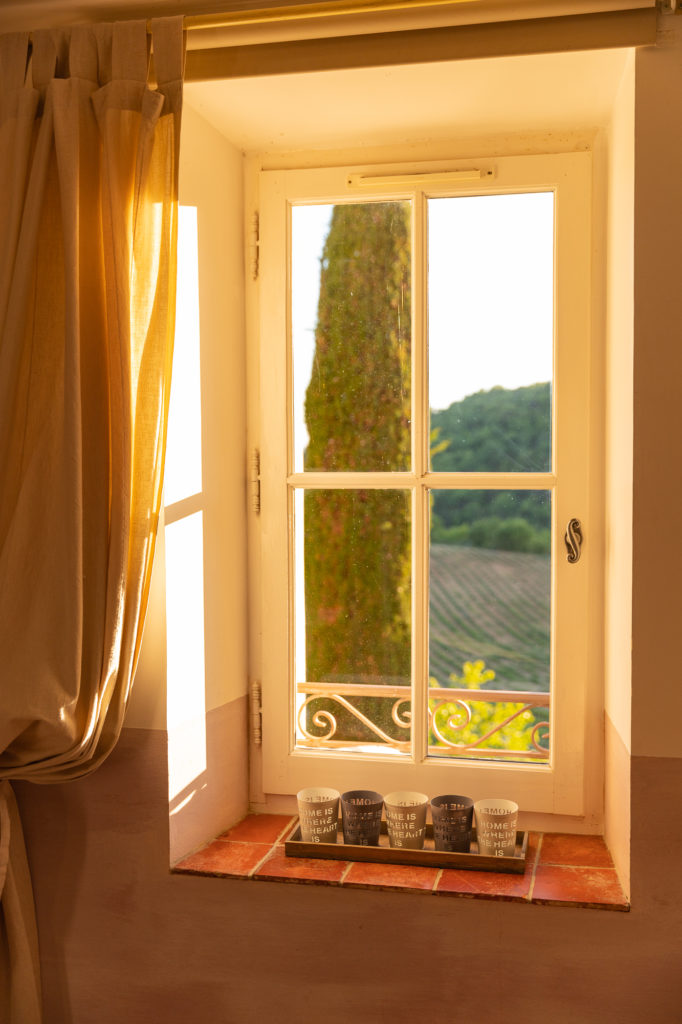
point(499, 430)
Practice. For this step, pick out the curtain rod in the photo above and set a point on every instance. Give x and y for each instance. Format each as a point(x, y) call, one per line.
point(339, 8)
point(628, 28)
point(298, 12)
point(348, 8)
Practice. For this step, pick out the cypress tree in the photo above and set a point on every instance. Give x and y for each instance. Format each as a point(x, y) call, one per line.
point(357, 409)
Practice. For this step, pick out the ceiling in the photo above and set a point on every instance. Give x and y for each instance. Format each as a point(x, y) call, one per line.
point(414, 103)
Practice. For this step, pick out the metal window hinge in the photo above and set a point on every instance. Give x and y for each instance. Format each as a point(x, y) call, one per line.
point(254, 479)
point(256, 713)
point(254, 245)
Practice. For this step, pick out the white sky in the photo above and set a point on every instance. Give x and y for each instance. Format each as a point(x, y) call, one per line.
point(490, 295)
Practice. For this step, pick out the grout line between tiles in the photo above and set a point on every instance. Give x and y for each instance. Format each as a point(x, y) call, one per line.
point(582, 867)
point(347, 868)
point(287, 828)
point(261, 862)
point(186, 856)
point(535, 867)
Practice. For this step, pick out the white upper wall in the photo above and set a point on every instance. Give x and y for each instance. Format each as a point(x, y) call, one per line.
point(422, 104)
point(618, 406)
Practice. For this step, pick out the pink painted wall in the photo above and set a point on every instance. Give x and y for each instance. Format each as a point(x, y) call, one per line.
point(657, 546)
point(123, 940)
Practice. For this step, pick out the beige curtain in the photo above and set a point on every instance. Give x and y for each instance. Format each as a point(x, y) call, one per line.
point(88, 225)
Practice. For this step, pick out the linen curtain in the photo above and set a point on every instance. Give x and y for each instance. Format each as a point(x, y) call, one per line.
point(88, 229)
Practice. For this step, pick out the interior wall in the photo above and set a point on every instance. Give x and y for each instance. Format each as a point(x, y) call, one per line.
point(208, 767)
point(206, 722)
point(657, 547)
point(619, 338)
point(124, 940)
point(211, 179)
point(619, 422)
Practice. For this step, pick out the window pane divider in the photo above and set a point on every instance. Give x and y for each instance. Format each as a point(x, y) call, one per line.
point(354, 480)
point(398, 480)
point(420, 508)
point(492, 481)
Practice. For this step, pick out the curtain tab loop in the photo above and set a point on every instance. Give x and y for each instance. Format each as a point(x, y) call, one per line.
point(168, 40)
point(130, 54)
point(104, 34)
point(62, 45)
point(14, 49)
point(44, 62)
point(83, 53)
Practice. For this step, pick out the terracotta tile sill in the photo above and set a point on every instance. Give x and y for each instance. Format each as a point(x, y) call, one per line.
point(561, 870)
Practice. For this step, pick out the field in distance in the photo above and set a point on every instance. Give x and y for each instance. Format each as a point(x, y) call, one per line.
point(491, 606)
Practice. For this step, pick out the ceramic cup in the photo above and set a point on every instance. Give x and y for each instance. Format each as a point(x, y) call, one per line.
point(406, 819)
point(318, 810)
point(452, 818)
point(361, 814)
point(496, 827)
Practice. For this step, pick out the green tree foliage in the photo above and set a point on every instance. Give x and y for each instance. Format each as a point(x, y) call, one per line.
point(486, 716)
point(357, 408)
point(495, 431)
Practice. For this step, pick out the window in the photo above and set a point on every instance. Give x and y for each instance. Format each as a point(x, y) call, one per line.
point(424, 410)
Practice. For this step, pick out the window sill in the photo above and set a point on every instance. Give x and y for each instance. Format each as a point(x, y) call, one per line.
point(561, 871)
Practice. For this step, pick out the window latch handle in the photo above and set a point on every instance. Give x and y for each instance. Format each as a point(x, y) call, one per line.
point(573, 539)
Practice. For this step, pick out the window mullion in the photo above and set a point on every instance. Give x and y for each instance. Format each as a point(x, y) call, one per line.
point(420, 463)
point(334, 480)
point(492, 481)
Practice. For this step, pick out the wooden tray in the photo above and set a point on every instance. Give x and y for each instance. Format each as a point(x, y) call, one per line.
point(428, 857)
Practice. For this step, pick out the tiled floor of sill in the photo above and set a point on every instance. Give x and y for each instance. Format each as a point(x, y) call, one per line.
point(561, 870)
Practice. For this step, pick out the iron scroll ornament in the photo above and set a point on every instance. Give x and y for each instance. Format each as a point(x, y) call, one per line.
point(574, 540)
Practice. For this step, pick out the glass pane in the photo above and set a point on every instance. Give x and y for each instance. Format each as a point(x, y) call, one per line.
point(351, 328)
point(491, 317)
point(352, 615)
point(489, 620)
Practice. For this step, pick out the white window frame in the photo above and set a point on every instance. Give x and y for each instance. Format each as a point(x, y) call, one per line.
point(559, 787)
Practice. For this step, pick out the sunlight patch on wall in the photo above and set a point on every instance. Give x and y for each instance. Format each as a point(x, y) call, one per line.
point(184, 543)
point(185, 651)
point(183, 456)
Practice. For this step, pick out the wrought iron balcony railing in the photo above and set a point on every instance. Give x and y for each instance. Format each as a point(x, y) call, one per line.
point(440, 698)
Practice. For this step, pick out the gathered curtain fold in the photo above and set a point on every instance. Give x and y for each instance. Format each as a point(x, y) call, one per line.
point(88, 235)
